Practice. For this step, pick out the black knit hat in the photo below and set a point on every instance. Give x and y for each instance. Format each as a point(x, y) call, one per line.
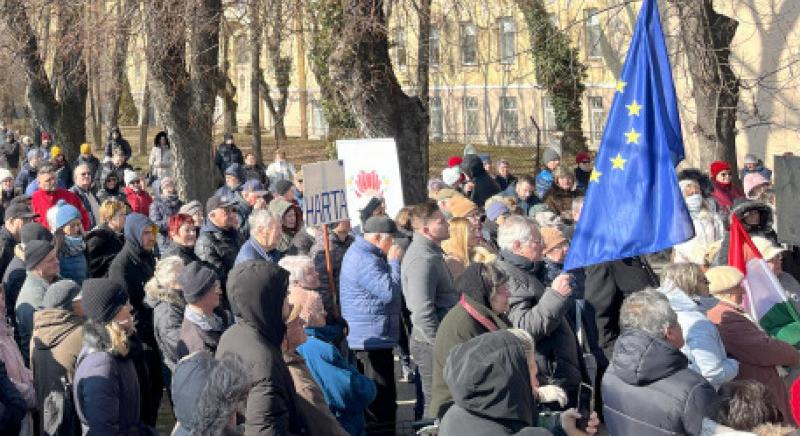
point(35, 251)
point(102, 299)
point(61, 294)
point(34, 231)
point(282, 186)
point(367, 211)
point(196, 281)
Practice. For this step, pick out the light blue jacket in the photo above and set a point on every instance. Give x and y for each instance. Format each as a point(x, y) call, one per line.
point(703, 346)
point(544, 180)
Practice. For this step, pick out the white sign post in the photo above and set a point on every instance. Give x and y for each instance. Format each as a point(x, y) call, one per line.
point(324, 198)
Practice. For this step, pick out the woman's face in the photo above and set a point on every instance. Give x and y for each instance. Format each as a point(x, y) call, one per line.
point(290, 219)
point(752, 218)
point(73, 228)
point(186, 235)
point(690, 189)
point(168, 189)
point(564, 182)
point(124, 318)
point(117, 222)
point(7, 184)
point(724, 176)
point(499, 299)
point(473, 237)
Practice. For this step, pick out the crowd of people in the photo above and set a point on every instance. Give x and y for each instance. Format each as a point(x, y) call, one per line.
point(119, 295)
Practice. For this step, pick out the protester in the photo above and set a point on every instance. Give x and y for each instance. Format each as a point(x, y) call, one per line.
point(182, 238)
point(207, 393)
point(227, 153)
point(164, 296)
point(14, 275)
point(138, 197)
point(7, 190)
point(218, 242)
point(754, 185)
point(257, 292)
point(49, 194)
point(462, 247)
point(201, 328)
point(13, 405)
point(63, 170)
point(482, 309)
point(480, 184)
point(15, 219)
point(106, 388)
point(340, 240)
point(291, 222)
point(562, 192)
point(523, 194)
point(757, 353)
point(105, 241)
point(746, 404)
point(280, 169)
point(648, 384)
point(65, 223)
point(725, 191)
point(111, 190)
point(164, 207)
point(427, 287)
point(234, 178)
point(757, 220)
point(265, 236)
point(773, 255)
point(253, 170)
point(680, 283)
point(116, 143)
point(708, 226)
point(15, 365)
point(752, 164)
point(57, 342)
point(371, 206)
point(284, 189)
point(162, 158)
point(583, 170)
point(132, 268)
point(41, 264)
point(195, 210)
point(116, 166)
point(370, 300)
point(504, 178)
point(87, 158)
point(9, 151)
point(298, 188)
point(84, 190)
point(30, 169)
point(550, 161)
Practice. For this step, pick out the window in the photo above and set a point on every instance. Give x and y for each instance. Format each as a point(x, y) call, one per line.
point(433, 42)
point(319, 125)
point(508, 32)
point(400, 47)
point(597, 119)
point(509, 118)
point(471, 117)
point(592, 33)
point(469, 44)
point(435, 108)
point(549, 117)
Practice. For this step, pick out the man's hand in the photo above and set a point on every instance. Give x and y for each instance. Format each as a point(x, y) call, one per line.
point(396, 252)
point(562, 286)
point(569, 419)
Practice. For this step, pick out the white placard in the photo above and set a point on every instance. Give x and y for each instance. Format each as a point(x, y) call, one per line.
point(324, 198)
point(371, 168)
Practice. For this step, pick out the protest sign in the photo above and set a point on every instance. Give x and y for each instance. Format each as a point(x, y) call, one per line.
point(324, 199)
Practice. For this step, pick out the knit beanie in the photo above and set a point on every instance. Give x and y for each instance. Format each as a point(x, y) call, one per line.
point(55, 151)
point(33, 154)
point(196, 281)
point(551, 238)
point(752, 181)
point(191, 208)
point(5, 174)
point(454, 161)
point(35, 252)
point(130, 176)
point(494, 210)
point(460, 206)
point(102, 299)
point(61, 294)
point(451, 175)
point(282, 186)
point(583, 156)
point(550, 155)
point(717, 167)
point(722, 278)
point(62, 214)
point(86, 148)
point(366, 211)
point(34, 231)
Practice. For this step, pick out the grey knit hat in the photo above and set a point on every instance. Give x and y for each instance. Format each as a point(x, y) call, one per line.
point(61, 294)
point(550, 155)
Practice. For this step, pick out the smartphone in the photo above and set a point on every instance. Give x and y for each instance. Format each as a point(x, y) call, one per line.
point(585, 405)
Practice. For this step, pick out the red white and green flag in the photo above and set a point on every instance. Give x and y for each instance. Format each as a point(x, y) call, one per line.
point(765, 298)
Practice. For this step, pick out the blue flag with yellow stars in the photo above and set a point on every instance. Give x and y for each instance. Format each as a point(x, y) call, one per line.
point(633, 204)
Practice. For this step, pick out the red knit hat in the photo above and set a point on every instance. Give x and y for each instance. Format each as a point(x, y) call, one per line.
point(454, 161)
point(583, 157)
point(46, 137)
point(717, 167)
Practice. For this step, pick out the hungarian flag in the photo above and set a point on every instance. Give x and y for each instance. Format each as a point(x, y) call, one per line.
point(765, 299)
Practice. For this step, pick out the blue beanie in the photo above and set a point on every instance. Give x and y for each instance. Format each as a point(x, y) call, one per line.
point(64, 214)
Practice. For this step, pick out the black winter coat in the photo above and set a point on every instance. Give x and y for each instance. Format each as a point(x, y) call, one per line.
point(167, 320)
point(607, 284)
point(9, 154)
point(132, 268)
point(227, 155)
point(91, 161)
point(7, 244)
point(485, 186)
point(218, 248)
point(650, 390)
point(186, 254)
point(102, 246)
point(12, 405)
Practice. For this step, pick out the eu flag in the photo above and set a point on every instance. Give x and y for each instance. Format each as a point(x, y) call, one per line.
point(634, 205)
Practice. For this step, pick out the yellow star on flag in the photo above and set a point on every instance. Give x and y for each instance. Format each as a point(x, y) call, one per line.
point(595, 176)
point(633, 136)
point(633, 108)
point(621, 86)
point(618, 162)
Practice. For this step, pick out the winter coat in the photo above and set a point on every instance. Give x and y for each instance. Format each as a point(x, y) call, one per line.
point(484, 185)
point(703, 345)
point(198, 334)
point(140, 200)
point(257, 296)
point(708, 228)
point(277, 171)
point(764, 228)
point(491, 386)
point(582, 178)
point(160, 211)
point(90, 203)
point(12, 405)
point(256, 172)
point(338, 249)
point(162, 162)
point(72, 261)
point(524, 205)
point(726, 195)
point(9, 154)
point(13, 278)
point(607, 284)
point(108, 194)
point(42, 201)
point(544, 180)
point(186, 254)
point(16, 366)
point(505, 182)
point(310, 399)
point(26, 176)
point(217, 248)
point(252, 250)
point(108, 169)
point(369, 289)
point(559, 200)
point(167, 308)
point(117, 144)
point(106, 388)
point(7, 195)
point(760, 169)
point(64, 175)
point(347, 392)
point(91, 161)
point(649, 389)
point(102, 246)
point(30, 300)
point(57, 342)
point(427, 287)
point(757, 353)
point(227, 155)
point(542, 312)
point(7, 244)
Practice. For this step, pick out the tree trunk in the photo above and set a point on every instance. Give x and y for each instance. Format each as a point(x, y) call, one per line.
point(423, 71)
point(144, 116)
point(281, 65)
point(302, 88)
point(94, 106)
point(707, 38)
point(226, 88)
point(183, 87)
point(362, 72)
point(255, 76)
point(118, 56)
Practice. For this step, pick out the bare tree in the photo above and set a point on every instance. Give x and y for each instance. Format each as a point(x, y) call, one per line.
point(277, 29)
point(183, 52)
point(225, 87)
point(254, 14)
point(119, 54)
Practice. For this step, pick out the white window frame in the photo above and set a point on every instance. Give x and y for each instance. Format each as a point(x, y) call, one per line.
point(597, 118)
point(507, 40)
point(472, 116)
point(509, 106)
point(436, 113)
point(469, 35)
point(434, 47)
point(593, 33)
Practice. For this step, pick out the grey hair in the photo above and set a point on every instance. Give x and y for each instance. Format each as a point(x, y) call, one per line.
point(296, 265)
point(686, 276)
point(75, 171)
point(262, 218)
point(515, 228)
point(166, 273)
point(648, 311)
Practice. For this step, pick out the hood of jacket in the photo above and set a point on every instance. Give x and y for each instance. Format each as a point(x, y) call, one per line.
point(472, 166)
point(742, 206)
point(257, 290)
point(522, 263)
point(112, 131)
point(640, 359)
point(472, 284)
point(489, 377)
point(51, 326)
point(135, 224)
